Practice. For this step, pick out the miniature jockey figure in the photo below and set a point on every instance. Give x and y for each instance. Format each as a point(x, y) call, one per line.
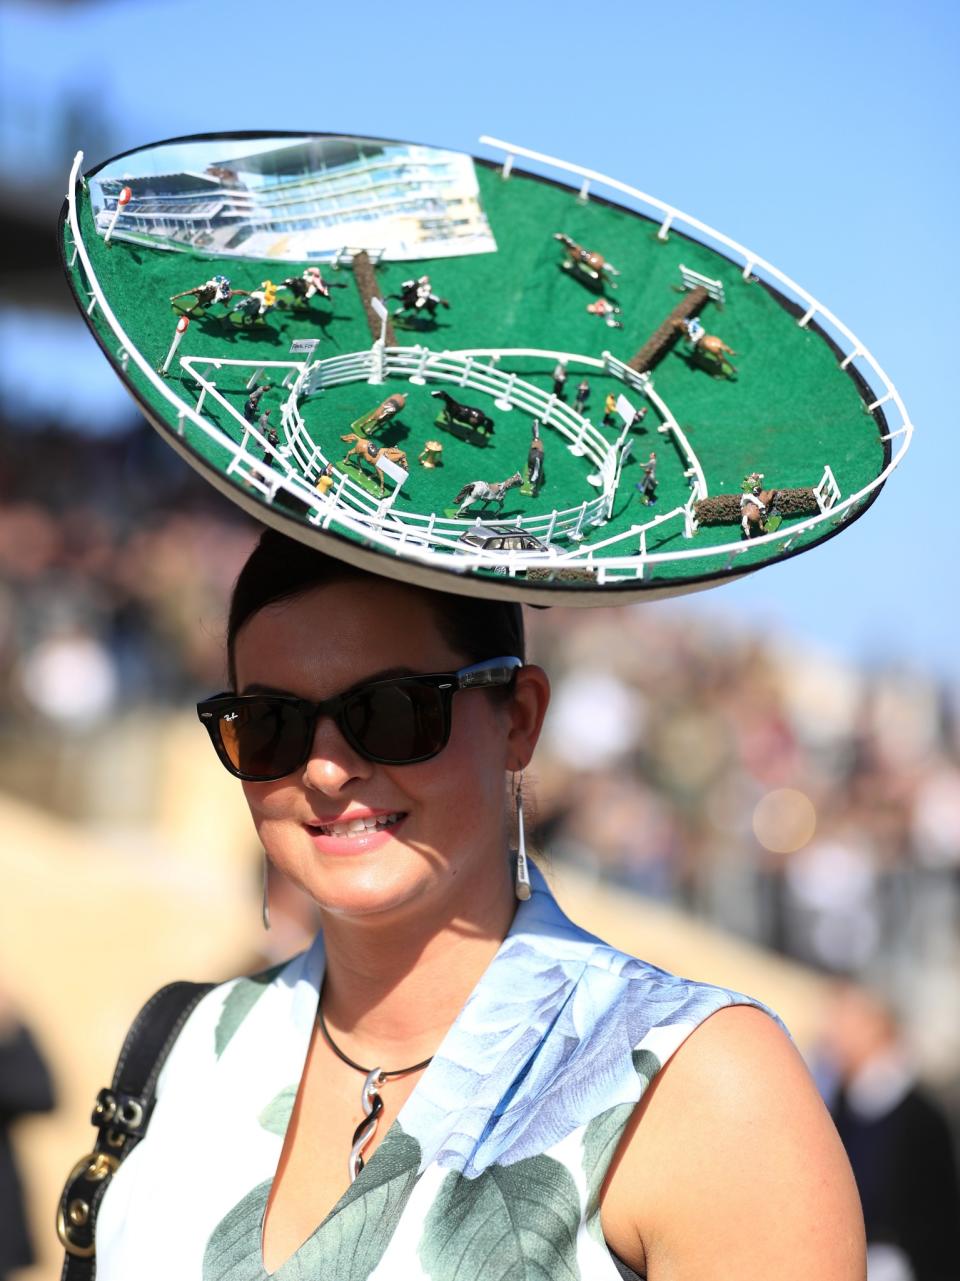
point(257, 302)
point(638, 417)
point(582, 396)
point(694, 329)
point(608, 310)
point(418, 296)
point(252, 403)
point(609, 409)
point(309, 284)
point(216, 289)
point(648, 486)
point(559, 379)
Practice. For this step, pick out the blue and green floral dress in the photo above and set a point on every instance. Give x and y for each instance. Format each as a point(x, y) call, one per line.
point(491, 1170)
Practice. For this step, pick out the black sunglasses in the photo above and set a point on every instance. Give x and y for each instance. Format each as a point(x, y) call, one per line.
point(261, 737)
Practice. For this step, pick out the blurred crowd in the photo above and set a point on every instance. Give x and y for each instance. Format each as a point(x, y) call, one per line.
point(807, 804)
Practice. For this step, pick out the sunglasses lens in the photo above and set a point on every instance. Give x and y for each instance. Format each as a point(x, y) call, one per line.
point(397, 722)
point(264, 738)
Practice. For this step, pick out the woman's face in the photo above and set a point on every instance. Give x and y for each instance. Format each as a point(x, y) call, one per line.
point(439, 834)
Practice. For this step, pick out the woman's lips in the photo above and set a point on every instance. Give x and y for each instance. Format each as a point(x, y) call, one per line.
point(356, 835)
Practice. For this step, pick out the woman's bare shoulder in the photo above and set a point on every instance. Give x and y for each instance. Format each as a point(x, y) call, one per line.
point(732, 1165)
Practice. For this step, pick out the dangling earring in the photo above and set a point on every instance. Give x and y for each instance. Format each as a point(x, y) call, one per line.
point(265, 901)
point(521, 882)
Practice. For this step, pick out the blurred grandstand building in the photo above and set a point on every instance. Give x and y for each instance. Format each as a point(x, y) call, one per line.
point(303, 198)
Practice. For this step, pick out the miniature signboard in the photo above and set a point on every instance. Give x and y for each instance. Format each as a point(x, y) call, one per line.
point(303, 346)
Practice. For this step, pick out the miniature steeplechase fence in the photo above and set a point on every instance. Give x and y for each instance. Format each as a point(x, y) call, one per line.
point(695, 280)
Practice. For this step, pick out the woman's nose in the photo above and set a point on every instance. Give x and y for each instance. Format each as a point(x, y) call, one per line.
point(333, 764)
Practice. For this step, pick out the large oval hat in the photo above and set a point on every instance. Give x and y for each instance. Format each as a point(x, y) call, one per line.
point(511, 376)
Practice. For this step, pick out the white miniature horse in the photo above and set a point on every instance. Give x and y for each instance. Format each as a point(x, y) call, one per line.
point(480, 491)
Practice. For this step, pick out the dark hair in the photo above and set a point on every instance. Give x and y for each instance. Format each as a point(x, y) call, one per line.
point(280, 568)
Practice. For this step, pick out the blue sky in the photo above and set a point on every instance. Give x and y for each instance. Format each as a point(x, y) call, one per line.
point(821, 135)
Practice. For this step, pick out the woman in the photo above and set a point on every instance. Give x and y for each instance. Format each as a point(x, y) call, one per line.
point(453, 1085)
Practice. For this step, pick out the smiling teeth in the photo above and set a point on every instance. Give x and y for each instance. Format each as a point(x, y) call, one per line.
point(358, 826)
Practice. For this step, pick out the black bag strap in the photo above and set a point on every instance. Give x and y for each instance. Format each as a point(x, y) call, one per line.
point(121, 1115)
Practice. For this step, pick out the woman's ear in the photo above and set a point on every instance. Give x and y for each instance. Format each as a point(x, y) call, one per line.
point(531, 696)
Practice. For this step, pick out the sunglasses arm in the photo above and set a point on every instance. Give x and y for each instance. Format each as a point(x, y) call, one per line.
point(494, 671)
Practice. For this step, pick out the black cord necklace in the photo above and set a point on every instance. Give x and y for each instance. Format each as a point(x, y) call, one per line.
point(370, 1097)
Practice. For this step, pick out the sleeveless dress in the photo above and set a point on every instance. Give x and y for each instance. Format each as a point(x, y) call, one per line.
point(494, 1165)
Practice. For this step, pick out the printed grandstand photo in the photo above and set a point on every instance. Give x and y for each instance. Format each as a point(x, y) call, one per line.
point(295, 199)
point(379, 346)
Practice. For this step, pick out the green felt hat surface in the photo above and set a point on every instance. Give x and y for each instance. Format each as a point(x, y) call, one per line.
point(452, 371)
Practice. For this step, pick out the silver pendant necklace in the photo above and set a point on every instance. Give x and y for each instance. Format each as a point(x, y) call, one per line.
point(370, 1098)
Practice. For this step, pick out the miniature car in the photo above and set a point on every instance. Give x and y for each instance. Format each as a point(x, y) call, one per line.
point(508, 538)
point(504, 538)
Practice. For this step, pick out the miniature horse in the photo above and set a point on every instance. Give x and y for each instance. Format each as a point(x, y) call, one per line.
point(367, 451)
point(755, 507)
point(480, 491)
point(466, 414)
point(587, 260)
point(711, 345)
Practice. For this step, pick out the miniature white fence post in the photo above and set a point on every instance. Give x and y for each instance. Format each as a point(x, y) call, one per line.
point(204, 387)
point(254, 378)
point(417, 378)
point(504, 403)
point(181, 329)
point(576, 534)
point(665, 227)
point(122, 201)
point(467, 366)
point(550, 528)
point(577, 448)
point(506, 167)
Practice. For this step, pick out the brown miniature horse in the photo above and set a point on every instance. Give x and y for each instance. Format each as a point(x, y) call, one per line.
point(367, 452)
point(713, 346)
point(588, 261)
point(754, 510)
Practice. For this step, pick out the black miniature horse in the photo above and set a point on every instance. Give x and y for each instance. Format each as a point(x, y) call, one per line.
point(465, 414)
point(417, 296)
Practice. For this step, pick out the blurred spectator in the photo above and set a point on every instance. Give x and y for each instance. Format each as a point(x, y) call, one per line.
point(25, 1087)
point(897, 1139)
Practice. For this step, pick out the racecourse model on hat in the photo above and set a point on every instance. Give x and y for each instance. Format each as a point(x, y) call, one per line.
point(455, 1081)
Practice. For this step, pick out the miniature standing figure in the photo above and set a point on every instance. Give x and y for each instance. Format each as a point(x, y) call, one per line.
point(648, 486)
point(252, 403)
point(271, 436)
point(326, 480)
point(609, 409)
point(638, 417)
point(582, 396)
point(559, 379)
point(534, 460)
